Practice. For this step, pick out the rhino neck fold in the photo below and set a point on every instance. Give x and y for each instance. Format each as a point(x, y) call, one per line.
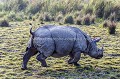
point(86, 51)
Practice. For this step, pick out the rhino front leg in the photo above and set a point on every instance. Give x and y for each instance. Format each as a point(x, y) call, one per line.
point(76, 58)
point(71, 58)
point(40, 57)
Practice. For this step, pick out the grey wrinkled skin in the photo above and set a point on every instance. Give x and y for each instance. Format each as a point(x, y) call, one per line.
point(59, 41)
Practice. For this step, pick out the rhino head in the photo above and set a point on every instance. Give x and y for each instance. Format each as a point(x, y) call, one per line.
point(94, 51)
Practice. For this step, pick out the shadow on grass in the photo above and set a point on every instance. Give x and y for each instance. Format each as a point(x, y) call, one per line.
point(80, 72)
point(68, 72)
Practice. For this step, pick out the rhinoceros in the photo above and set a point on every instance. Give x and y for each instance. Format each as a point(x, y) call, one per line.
point(59, 41)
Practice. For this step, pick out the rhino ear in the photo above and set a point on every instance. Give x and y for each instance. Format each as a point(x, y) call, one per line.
point(96, 39)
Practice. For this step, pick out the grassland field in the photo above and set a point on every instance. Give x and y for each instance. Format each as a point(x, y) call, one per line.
point(13, 42)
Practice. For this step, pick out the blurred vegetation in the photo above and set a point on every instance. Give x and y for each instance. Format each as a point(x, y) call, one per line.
point(18, 10)
point(69, 19)
point(4, 23)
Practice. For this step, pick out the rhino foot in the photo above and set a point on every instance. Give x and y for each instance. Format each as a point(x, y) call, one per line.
point(69, 61)
point(76, 64)
point(23, 68)
point(44, 65)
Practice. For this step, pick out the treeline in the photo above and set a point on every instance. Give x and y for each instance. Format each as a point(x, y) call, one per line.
point(65, 11)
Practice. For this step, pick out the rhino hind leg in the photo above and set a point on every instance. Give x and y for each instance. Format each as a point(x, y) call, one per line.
point(26, 58)
point(74, 58)
point(40, 57)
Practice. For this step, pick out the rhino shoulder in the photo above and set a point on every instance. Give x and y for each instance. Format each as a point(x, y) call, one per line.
point(80, 32)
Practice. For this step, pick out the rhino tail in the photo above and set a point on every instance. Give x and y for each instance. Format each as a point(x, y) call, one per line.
point(31, 32)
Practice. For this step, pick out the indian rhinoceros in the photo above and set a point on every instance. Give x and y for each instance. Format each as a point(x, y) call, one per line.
point(59, 41)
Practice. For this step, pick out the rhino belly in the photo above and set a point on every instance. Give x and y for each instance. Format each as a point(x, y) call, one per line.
point(58, 55)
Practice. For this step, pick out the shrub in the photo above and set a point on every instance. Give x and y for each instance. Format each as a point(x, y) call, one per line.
point(108, 9)
point(15, 5)
point(106, 23)
point(4, 23)
point(52, 18)
point(89, 10)
point(33, 9)
point(59, 18)
point(1, 7)
point(45, 17)
point(15, 17)
point(117, 12)
point(104, 9)
point(100, 5)
point(25, 17)
point(2, 14)
point(112, 28)
point(55, 7)
point(69, 19)
point(9, 5)
point(33, 19)
point(93, 19)
point(22, 4)
point(77, 14)
point(11, 16)
point(86, 19)
point(79, 20)
point(112, 17)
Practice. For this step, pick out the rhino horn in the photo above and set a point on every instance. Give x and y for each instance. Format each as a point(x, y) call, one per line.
point(96, 39)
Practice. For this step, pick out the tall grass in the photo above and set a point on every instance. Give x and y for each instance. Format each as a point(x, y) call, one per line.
point(100, 8)
point(15, 5)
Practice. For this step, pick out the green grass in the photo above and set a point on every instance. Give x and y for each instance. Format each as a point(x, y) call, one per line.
point(13, 41)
